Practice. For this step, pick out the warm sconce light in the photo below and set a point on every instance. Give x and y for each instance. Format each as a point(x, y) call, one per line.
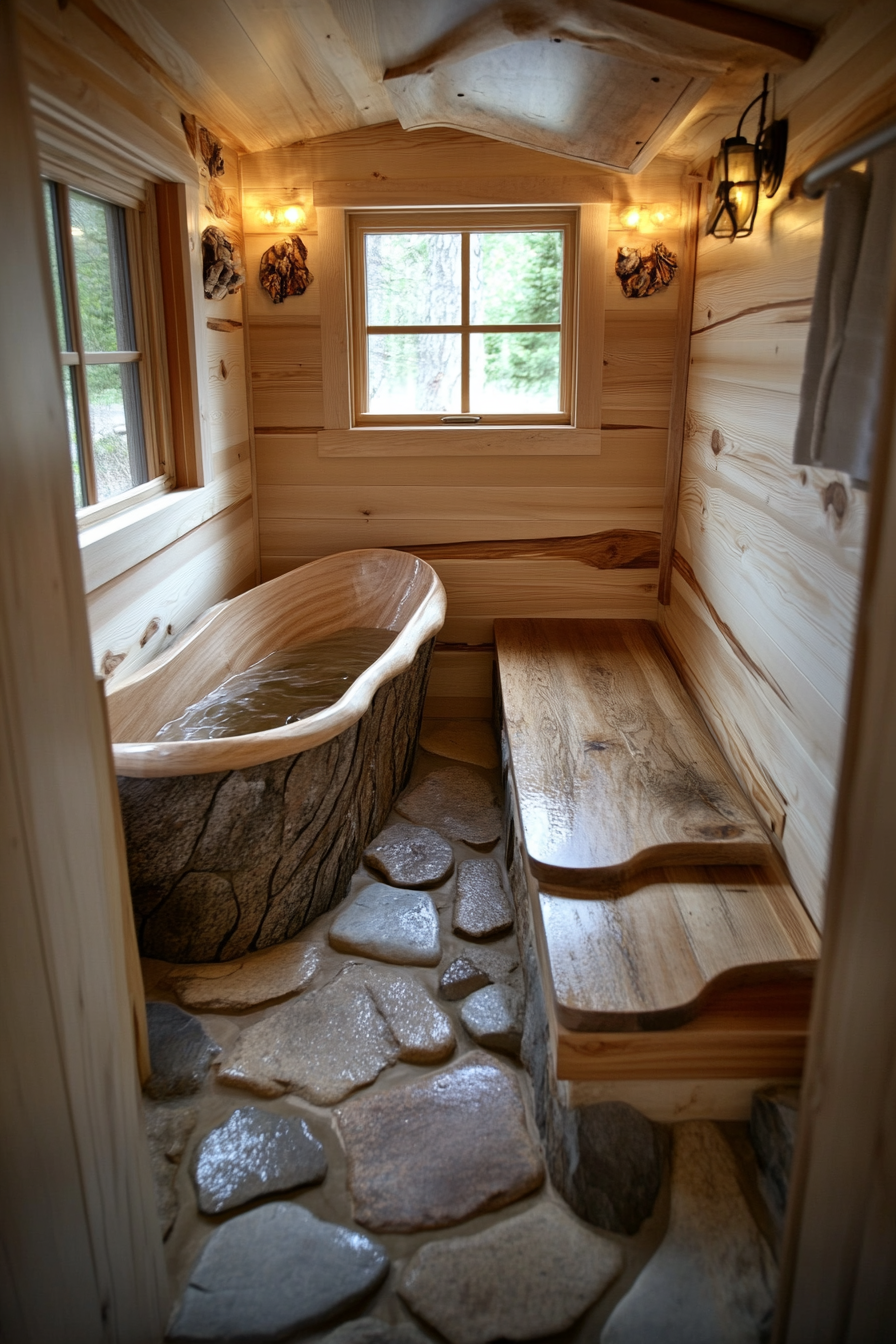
point(646, 218)
point(743, 169)
point(282, 216)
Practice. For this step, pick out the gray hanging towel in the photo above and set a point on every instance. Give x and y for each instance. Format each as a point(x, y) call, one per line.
point(842, 385)
point(845, 207)
point(857, 392)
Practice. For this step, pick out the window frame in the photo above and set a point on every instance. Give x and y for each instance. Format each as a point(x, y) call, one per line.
point(338, 438)
point(360, 224)
point(139, 235)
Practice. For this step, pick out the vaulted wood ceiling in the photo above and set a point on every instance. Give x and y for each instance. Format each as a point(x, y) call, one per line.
point(600, 80)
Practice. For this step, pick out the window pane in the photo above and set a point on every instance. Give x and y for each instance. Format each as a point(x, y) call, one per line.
point(50, 215)
point(118, 453)
point(515, 277)
point(69, 387)
point(413, 279)
point(98, 240)
point(413, 374)
point(514, 373)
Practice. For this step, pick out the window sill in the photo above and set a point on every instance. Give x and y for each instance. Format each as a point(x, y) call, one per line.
point(454, 441)
point(116, 544)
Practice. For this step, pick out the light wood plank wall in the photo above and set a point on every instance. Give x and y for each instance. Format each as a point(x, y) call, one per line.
point(768, 559)
point(310, 505)
point(142, 594)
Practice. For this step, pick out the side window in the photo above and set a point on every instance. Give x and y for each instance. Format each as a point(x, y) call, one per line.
point(101, 345)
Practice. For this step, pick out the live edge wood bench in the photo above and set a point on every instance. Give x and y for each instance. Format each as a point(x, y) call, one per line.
point(671, 945)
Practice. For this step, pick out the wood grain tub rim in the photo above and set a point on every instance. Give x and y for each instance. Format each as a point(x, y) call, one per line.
point(412, 580)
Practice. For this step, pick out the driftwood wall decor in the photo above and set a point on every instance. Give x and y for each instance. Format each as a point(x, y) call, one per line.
point(283, 270)
point(642, 275)
point(222, 264)
point(203, 145)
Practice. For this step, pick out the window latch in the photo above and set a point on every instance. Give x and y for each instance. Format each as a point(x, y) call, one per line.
point(461, 419)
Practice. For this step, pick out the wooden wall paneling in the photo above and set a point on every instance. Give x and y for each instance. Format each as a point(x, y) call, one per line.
point(749, 451)
point(287, 374)
point(135, 616)
point(319, 536)
point(334, 318)
point(774, 550)
point(837, 1280)
point(592, 506)
point(630, 460)
point(593, 224)
point(791, 791)
point(687, 264)
point(798, 590)
point(375, 191)
point(172, 209)
point(81, 1249)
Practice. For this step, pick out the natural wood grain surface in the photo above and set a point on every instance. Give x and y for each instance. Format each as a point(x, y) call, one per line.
point(650, 959)
point(373, 588)
point(743, 1033)
point(769, 554)
point(614, 768)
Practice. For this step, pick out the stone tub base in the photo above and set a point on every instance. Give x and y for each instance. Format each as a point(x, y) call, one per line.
point(226, 863)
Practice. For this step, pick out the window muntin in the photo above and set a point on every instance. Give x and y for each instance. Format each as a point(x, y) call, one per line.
point(100, 350)
point(463, 314)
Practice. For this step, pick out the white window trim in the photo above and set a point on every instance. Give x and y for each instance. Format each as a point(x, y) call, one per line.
point(340, 439)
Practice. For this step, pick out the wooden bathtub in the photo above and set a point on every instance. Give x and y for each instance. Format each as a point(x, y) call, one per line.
point(236, 843)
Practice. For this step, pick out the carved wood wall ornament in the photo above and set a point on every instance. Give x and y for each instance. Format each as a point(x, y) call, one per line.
point(283, 270)
point(204, 145)
point(642, 275)
point(222, 264)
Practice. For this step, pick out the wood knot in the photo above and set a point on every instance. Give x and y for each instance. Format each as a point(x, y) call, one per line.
point(223, 370)
point(152, 629)
point(725, 831)
point(716, 442)
point(834, 497)
point(597, 745)
point(804, 477)
point(110, 661)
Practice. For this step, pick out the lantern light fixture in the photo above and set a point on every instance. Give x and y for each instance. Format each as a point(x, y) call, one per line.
point(743, 169)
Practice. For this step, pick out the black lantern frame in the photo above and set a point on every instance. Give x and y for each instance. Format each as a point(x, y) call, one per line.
point(737, 196)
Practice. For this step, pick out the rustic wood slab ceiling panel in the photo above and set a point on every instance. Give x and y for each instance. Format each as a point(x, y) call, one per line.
point(579, 79)
point(769, 555)
point(614, 770)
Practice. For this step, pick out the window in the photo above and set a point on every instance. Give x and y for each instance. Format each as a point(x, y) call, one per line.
point(102, 345)
point(463, 317)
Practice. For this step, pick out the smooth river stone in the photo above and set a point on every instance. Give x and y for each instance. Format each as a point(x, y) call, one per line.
point(432, 1153)
point(367, 1330)
point(255, 1153)
point(401, 927)
point(524, 1278)
point(470, 740)
point(274, 1270)
point(168, 1127)
point(774, 1116)
point(180, 1052)
point(462, 978)
point(713, 1279)
point(228, 986)
point(493, 1016)
point(481, 907)
point(340, 1037)
point(411, 856)
point(457, 802)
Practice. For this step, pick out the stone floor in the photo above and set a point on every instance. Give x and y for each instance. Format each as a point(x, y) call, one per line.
point(406, 1105)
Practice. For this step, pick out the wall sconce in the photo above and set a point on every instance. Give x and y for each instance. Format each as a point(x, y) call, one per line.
point(648, 218)
point(282, 216)
point(743, 169)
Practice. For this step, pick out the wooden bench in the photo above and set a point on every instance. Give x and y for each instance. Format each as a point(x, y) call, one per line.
point(671, 945)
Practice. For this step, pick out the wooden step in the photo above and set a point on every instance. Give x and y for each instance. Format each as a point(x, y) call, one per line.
point(653, 958)
point(615, 769)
